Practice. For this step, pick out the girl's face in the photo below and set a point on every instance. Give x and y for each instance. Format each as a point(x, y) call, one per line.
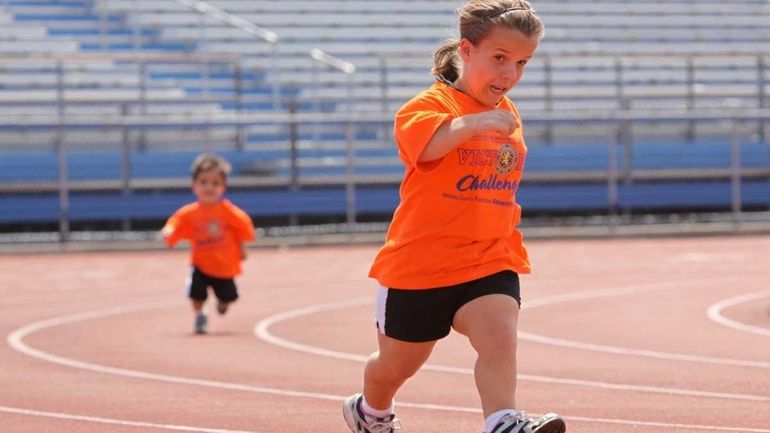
point(493, 66)
point(209, 187)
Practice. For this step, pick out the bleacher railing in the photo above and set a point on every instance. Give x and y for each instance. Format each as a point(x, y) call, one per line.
point(349, 70)
point(734, 121)
point(206, 12)
point(557, 81)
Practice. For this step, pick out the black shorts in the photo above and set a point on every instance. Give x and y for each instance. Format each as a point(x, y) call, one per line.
point(427, 315)
point(198, 284)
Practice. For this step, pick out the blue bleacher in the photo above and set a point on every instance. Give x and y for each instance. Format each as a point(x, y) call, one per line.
point(42, 166)
point(327, 201)
point(375, 200)
point(68, 21)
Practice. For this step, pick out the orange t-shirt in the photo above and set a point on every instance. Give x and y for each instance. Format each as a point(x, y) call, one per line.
point(457, 218)
point(215, 233)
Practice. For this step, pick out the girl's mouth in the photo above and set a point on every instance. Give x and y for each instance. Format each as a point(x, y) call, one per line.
point(500, 91)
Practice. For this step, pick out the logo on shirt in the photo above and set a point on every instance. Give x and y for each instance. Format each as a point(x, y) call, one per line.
point(213, 228)
point(507, 159)
point(486, 183)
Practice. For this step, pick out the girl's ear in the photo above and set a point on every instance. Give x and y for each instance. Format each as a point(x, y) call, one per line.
point(464, 50)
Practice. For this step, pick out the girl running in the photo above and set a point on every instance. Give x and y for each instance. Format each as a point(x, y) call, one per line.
point(453, 255)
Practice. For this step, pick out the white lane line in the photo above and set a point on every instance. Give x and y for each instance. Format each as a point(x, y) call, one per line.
point(262, 331)
point(120, 422)
point(714, 312)
point(579, 296)
point(15, 340)
point(640, 352)
point(670, 425)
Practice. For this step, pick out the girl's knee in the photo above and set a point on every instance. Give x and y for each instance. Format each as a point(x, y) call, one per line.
point(400, 372)
point(496, 339)
point(392, 369)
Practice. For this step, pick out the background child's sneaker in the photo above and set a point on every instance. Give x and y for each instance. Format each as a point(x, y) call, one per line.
point(201, 323)
point(222, 307)
point(358, 422)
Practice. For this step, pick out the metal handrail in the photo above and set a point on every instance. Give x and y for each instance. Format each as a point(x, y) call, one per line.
point(617, 61)
point(733, 118)
point(333, 62)
point(10, 121)
point(206, 10)
point(350, 183)
point(213, 12)
point(118, 56)
point(230, 19)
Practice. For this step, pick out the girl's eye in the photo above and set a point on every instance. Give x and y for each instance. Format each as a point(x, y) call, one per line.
point(499, 58)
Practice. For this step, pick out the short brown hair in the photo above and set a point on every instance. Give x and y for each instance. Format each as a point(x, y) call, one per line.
point(208, 162)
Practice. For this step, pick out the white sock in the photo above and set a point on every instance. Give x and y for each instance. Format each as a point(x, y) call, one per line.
point(377, 413)
point(493, 419)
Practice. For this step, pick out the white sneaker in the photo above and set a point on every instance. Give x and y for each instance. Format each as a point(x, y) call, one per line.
point(548, 423)
point(201, 323)
point(360, 423)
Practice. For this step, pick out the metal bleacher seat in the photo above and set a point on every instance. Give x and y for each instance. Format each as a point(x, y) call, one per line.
point(578, 59)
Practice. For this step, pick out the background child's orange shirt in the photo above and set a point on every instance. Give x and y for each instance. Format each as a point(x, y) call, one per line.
point(215, 233)
point(457, 218)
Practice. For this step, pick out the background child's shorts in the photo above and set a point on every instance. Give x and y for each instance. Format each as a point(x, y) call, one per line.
point(427, 315)
point(198, 283)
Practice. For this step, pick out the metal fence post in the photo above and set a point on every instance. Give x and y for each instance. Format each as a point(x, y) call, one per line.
point(125, 167)
point(350, 179)
point(240, 137)
point(294, 185)
point(735, 169)
point(626, 137)
point(548, 97)
point(619, 84)
point(383, 64)
point(61, 149)
point(350, 182)
point(612, 172)
point(142, 101)
point(274, 82)
point(691, 96)
point(761, 93)
point(316, 77)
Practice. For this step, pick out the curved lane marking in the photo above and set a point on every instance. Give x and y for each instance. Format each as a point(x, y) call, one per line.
point(262, 331)
point(15, 340)
point(714, 313)
point(120, 422)
point(640, 352)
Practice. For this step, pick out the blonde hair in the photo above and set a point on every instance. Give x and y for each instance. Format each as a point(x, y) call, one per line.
point(208, 162)
point(476, 19)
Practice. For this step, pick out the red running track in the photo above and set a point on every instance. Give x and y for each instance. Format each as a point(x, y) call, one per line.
point(619, 336)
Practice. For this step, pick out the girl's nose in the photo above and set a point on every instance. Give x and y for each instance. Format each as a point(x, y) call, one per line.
point(511, 73)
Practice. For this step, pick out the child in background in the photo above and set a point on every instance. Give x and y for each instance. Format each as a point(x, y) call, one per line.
point(217, 230)
point(453, 255)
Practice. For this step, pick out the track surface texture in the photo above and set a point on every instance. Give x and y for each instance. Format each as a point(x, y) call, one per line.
point(619, 336)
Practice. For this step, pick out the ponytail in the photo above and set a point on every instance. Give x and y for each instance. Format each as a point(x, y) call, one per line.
point(476, 19)
point(446, 61)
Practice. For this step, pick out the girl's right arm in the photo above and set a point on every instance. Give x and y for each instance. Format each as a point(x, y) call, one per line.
point(463, 128)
